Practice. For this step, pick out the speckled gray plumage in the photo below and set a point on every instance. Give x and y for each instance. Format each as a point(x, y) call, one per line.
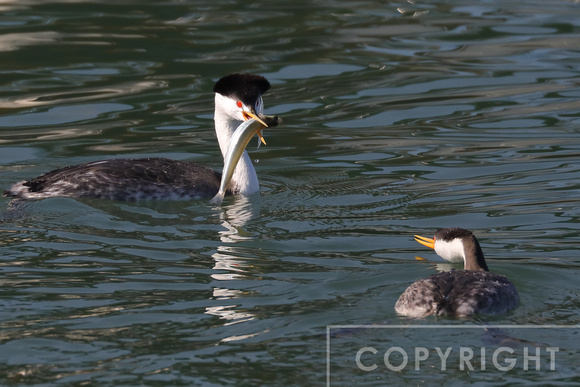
point(123, 179)
point(458, 293)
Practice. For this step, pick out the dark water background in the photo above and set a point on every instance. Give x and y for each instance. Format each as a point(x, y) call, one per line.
point(399, 118)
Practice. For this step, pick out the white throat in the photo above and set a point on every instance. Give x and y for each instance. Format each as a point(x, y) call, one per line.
point(450, 251)
point(245, 179)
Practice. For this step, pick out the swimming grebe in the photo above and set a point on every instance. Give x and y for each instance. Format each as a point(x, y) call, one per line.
point(460, 293)
point(238, 98)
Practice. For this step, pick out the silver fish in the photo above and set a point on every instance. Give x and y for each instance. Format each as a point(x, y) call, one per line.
point(240, 139)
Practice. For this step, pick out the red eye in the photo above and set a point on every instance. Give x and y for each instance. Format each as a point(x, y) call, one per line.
point(239, 104)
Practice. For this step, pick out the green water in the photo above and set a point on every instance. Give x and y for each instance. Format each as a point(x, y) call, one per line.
point(399, 118)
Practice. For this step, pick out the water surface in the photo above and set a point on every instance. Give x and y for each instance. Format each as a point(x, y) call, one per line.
point(399, 118)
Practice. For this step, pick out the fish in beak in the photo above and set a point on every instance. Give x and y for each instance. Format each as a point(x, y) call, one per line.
point(253, 115)
point(238, 142)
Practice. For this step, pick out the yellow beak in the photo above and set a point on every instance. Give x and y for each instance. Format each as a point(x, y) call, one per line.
point(425, 241)
point(250, 115)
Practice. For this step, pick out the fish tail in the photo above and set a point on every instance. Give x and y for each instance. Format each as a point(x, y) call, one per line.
point(218, 198)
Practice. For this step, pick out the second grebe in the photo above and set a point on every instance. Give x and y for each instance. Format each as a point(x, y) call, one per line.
point(458, 293)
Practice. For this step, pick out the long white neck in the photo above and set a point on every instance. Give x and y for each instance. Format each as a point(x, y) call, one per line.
point(245, 179)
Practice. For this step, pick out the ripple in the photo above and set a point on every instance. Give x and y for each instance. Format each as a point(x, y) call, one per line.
point(17, 41)
point(79, 95)
point(311, 70)
point(62, 115)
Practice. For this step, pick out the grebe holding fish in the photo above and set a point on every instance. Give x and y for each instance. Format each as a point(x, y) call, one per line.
point(238, 102)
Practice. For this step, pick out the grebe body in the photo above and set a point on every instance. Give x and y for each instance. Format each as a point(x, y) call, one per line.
point(459, 293)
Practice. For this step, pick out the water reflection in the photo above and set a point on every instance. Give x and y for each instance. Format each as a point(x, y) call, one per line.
point(311, 70)
point(62, 115)
point(80, 94)
point(228, 264)
point(16, 41)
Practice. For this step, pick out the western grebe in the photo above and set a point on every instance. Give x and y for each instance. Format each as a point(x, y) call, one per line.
point(238, 98)
point(460, 293)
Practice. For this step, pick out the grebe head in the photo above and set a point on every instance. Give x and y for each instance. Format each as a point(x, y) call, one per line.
point(455, 245)
point(238, 97)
